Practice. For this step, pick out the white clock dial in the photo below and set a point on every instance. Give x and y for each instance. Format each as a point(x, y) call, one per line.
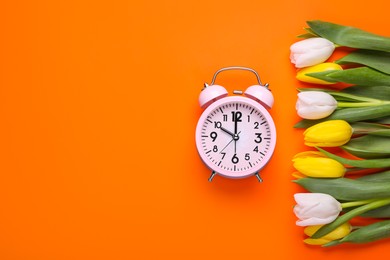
point(236, 137)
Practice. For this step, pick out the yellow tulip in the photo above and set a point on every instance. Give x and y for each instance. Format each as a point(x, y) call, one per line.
point(338, 233)
point(327, 66)
point(330, 133)
point(317, 165)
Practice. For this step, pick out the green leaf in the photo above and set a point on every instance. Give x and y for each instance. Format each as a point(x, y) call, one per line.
point(366, 128)
point(348, 216)
point(364, 76)
point(382, 212)
point(323, 75)
point(376, 177)
point(338, 95)
point(356, 93)
point(343, 99)
point(315, 89)
point(377, 92)
point(350, 115)
point(369, 146)
point(332, 243)
point(378, 60)
point(368, 163)
point(309, 34)
point(346, 189)
point(310, 31)
point(369, 233)
point(382, 120)
point(350, 36)
point(384, 132)
point(306, 36)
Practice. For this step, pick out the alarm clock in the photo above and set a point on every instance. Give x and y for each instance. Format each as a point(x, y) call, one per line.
point(235, 134)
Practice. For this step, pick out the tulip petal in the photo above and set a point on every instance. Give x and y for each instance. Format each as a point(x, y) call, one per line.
point(313, 57)
point(316, 241)
point(311, 51)
point(333, 134)
point(338, 233)
point(317, 97)
point(325, 144)
point(318, 167)
point(319, 69)
point(330, 133)
point(315, 208)
point(315, 221)
point(315, 104)
point(315, 112)
point(297, 175)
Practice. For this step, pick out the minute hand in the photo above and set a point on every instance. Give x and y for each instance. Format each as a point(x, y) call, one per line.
point(235, 137)
point(235, 125)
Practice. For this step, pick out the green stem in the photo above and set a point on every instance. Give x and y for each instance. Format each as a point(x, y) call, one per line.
point(367, 163)
point(359, 104)
point(349, 215)
point(362, 104)
point(356, 203)
point(354, 97)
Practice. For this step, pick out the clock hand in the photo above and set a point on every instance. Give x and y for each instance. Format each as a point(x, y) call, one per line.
point(235, 136)
point(233, 139)
point(227, 131)
point(235, 126)
point(227, 145)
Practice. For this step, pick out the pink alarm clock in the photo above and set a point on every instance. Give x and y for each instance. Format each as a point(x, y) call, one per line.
point(236, 135)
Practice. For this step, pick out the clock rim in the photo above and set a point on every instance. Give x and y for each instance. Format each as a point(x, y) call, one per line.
point(267, 157)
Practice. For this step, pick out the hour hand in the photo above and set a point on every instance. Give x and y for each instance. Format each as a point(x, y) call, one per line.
point(227, 131)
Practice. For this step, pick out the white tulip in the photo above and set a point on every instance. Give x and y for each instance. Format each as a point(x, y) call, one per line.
point(311, 51)
point(315, 104)
point(315, 209)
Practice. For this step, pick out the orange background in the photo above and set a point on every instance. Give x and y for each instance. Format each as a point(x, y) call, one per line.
point(98, 106)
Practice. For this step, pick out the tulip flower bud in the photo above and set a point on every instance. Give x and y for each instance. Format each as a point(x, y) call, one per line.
point(330, 133)
point(311, 51)
point(315, 208)
point(338, 233)
point(317, 165)
point(302, 74)
point(315, 104)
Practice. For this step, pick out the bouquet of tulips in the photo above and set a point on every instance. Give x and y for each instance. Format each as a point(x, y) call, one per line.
point(345, 111)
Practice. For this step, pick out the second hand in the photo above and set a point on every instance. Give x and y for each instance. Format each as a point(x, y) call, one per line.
point(233, 139)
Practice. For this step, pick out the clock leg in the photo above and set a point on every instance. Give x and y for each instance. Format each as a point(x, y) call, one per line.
point(258, 177)
point(212, 176)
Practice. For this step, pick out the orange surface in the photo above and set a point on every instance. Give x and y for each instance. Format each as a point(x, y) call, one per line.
point(98, 106)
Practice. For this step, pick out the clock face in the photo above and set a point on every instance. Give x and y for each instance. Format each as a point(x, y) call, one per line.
point(236, 136)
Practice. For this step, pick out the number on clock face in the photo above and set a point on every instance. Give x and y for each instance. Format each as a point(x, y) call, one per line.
point(235, 136)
